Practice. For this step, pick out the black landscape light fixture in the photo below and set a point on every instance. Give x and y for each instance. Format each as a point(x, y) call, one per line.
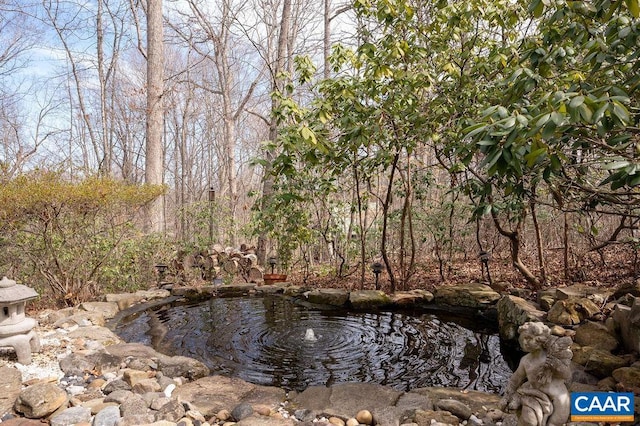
point(162, 270)
point(484, 259)
point(272, 262)
point(376, 267)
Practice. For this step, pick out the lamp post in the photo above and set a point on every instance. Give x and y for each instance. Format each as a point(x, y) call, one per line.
point(376, 267)
point(272, 262)
point(162, 269)
point(484, 259)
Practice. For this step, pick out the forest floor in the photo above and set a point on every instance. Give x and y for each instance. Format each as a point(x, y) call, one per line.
point(609, 268)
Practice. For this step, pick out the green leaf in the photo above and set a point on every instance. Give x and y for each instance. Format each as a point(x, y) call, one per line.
point(533, 156)
point(634, 8)
point(616, 165)
point(576, 102)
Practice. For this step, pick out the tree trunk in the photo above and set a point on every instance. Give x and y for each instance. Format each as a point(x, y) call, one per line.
point(514, 240)
point(267, 185)
point(154, 159)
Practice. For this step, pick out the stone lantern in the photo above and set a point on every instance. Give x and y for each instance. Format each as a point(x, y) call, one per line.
point(16, 330)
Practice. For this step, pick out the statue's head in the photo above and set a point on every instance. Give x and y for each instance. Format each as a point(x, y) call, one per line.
point(533, 335)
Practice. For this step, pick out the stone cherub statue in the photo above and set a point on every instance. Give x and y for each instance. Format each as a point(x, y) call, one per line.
point(538, 386)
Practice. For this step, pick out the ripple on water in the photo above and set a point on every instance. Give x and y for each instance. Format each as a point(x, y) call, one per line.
point(262, 340)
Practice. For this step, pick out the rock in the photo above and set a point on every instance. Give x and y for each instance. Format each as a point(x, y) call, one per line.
point(328, 296)
point(598, 362)
point(266, 421)
point(123, 300)
point(572, 311)
point(10, 387)
point(100, 334)
point(133, 377)
point(171, 366)
point(146, 386)
point(342, 400)
point(364, 417)
point(584, 291)
point(369, 299)
point(595, 335)
point(134, 405)
point(76, 364)
point(136, 420)
point(106, 309)
point(71, 416)
point(466, 295)
point(546, 299)
point(235, 290)
point(182, 366)
point(40, 400)
point(513, 312)
point(623, 289)
point(475, 400)
point(116, 385)
point(455, 407)
point(21, 421)
point(211, 394)
point(629, 378)
point(627, 321)
point(426, 417)
point(171, 411)
point(412, 298)
point(241, 411)
point(154, 293)
point(352, 422)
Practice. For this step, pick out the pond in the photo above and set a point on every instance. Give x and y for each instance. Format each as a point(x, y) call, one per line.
point(278, 341)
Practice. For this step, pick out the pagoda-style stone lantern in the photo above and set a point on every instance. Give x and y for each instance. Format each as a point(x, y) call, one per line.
point(16, 330)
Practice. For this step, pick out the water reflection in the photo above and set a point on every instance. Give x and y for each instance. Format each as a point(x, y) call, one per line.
point(262, 340)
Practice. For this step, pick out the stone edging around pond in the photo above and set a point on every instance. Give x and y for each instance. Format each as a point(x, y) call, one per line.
point(107, 382)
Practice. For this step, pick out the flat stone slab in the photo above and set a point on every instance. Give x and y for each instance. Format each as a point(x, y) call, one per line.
point(10, 387)
point(473, 399)
point(345, 400)
point(235, 290)
point(467, 295)
point(328, 296)
point(214, 393)
point(369, 299)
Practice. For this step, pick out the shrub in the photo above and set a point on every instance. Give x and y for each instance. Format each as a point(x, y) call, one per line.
point(79, 237)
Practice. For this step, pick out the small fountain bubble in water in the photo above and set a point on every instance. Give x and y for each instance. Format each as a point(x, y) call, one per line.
point(310, 336)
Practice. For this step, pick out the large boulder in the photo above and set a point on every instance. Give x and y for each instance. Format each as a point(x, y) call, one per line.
point(106, 309)
point(596, 335)
point(513, 312)
point(627, 321)
point(40, 400)
point(572, 311)
point(472, 295)
point(328, 296)
point(235, 290)
point(412, 298)
point(598, 362)
point(171, 366)
point(369, 299)
point(211, 394)
point(345, 400)
point(578, 291)
point(628, 378)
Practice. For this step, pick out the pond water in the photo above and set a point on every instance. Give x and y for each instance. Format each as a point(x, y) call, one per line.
point(262, 340)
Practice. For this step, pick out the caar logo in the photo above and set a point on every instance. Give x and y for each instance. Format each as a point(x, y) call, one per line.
point(601, 407)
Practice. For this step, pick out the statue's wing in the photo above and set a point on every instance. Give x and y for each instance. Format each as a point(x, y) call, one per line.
point(560, 347)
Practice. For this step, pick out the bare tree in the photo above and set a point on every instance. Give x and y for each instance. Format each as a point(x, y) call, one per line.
point(154, 156)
